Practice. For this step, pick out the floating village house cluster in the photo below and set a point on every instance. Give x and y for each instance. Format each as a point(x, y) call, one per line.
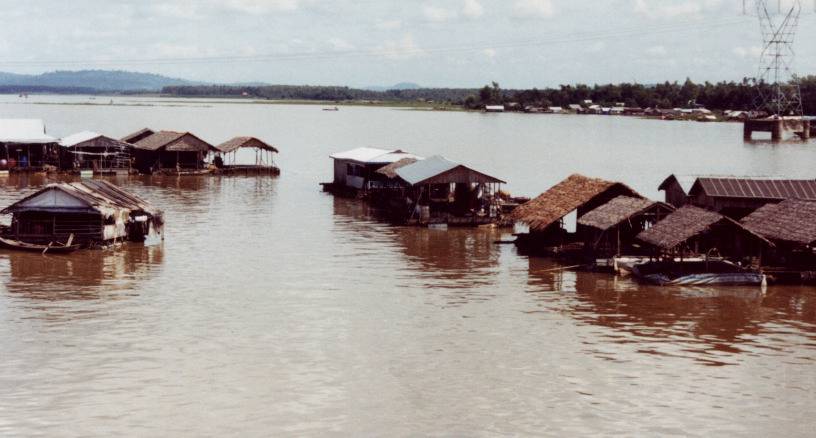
point(708, 230)
point(25, 146)
point(63, 217)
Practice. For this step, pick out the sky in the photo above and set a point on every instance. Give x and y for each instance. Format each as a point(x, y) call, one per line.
point(435, 43)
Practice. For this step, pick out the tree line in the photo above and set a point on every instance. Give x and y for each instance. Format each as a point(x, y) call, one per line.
point(725, 95)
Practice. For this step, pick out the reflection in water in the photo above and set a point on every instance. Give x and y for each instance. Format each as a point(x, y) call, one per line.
point(274, 309)
point(452, 258)
point(85, 275)
point(706, 324)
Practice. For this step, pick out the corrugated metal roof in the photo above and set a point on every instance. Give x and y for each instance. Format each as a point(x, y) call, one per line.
point(755, 188)
point(24, 131)
point(99, 195)
point(373, 155)
point(424, 169)
point(79, 137)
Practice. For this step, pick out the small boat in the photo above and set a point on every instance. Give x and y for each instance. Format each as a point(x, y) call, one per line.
point(331, 109)
point(36, 247)
point(712, 272)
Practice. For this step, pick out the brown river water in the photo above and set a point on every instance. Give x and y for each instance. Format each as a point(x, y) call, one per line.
point(273, 309)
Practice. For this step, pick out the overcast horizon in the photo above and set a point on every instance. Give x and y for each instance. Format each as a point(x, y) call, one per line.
point(434, 43)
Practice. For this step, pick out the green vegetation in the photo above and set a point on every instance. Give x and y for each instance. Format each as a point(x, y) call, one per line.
point(719, 96)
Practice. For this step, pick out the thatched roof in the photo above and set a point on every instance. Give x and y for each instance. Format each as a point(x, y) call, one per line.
point(245, 142)
point(570, 194)
point(138, 135)
point(391, 170)
point(619, 210)
point(685, 223)
point(173, 141)
point(791, 220)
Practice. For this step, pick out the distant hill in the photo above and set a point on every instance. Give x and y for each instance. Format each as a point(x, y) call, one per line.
point(99, 80)
point(400, 86)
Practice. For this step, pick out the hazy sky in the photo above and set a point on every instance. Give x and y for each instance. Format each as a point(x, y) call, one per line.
point(459, 43)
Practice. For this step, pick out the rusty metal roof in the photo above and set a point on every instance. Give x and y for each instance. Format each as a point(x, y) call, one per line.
point(755, 188)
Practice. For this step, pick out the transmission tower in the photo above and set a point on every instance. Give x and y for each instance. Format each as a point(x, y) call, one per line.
point(777, 85)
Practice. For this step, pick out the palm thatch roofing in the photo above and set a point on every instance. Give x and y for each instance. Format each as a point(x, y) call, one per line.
point(619, 210)
point(245, 142)
point(791, 220)
point(174, 142)
point(573, 193)
point(685, 223)
point(391, 170)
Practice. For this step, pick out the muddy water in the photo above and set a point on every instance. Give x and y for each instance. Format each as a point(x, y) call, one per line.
point(271, 308)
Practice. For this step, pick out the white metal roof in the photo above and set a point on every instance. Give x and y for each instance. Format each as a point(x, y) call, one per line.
point(424, 169)
point(24, 131)
point(373, 155)
point(79, 137)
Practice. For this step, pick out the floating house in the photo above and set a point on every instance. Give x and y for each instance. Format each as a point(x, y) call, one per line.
point(439, 191)
point(610, 229)
point(25, 146)
point(171, 152)
point(89, 213)
point(355, 170)
point(735, 197)
point(791, 226)
point(225, 161)
point(544, 215)
point(691, 230)
point(89, 150)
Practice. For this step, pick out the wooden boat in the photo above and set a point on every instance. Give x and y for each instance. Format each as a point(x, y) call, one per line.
point(712, 272)
point(35, 247)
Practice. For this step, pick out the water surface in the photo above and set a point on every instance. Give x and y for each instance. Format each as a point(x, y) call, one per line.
point(271, 308)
